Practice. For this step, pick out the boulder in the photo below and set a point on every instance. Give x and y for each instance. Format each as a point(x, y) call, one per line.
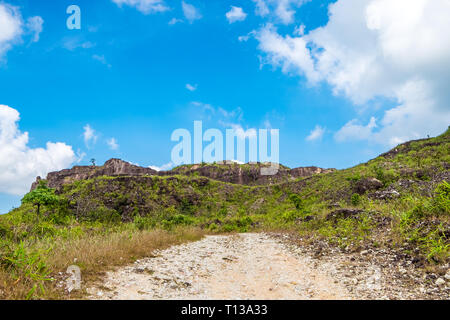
point(368, 184)
point(343, 213)
point(384, 194)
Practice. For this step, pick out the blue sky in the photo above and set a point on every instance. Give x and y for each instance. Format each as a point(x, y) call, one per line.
point(132, 76)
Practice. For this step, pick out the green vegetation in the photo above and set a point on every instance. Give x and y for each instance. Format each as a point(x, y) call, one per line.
point(41, 196)
point(109, 221)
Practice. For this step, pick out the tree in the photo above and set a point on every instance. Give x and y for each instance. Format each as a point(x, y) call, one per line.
point(93, 162)
point(41, 196)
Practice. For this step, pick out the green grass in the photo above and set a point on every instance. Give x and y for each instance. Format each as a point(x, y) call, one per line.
point(99, 221)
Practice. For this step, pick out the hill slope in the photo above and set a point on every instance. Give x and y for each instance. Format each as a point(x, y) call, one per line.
point(398, 201)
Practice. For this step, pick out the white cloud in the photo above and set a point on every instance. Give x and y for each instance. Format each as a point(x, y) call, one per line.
point(75, 42)
point(395, 50)
point(101, 59)
point(300, 30)
point(191, 87)
point(236, 14)
point(20, 164)
point(112, 144)
point(355, 131)
point(316, 134)
point(241, 132)
point(144, 6)
point(282, 10)
point(174, 21)
point(164, 167)
point(190, 12)
point(290, 53)
point(35, 26)
point(261, 8)
point(243, 38)
point(12, 27)
point(89, 135)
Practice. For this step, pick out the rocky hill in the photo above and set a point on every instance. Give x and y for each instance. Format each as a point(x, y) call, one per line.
point(395, 207)
point(232, 172)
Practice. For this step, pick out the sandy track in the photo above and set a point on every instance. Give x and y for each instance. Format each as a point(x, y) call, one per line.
point(244, 266)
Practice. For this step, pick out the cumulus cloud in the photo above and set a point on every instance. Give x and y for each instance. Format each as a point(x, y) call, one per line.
point(190, 12)
point(144, 6)
point(261, 8)
point(316, 134)
point(89, 135)
point(372, 49)
point(300, 30)
point(353, 130)
point(35, 25)
point(235, 14)
point(20, 164)
point(282, 10)
point(12, 27)
point(112, 144)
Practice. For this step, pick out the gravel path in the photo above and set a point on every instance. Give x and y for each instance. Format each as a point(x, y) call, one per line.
point(246, 266)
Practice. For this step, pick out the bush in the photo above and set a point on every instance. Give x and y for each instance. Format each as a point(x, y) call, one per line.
point(238, 224)
point(143, 223)
point(290, 215)
point(297, 201)
point(441, 199)
point(26, 265)
point(356, 199)
point(103, 214)
point(177, 220)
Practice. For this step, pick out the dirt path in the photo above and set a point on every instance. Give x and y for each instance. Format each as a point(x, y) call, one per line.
point(251, 266)
point(245, 266)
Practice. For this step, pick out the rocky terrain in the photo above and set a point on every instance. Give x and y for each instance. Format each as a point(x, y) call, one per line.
point(231, 172)
point(378, 230)
point(268, 266)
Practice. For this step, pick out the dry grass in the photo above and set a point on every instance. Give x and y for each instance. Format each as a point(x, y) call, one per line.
point(94, 254)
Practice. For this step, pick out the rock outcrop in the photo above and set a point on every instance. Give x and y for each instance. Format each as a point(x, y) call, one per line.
point(368, 184)
point(113, 167)
point(246, 174)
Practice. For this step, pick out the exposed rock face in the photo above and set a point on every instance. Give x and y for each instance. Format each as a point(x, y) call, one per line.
point(367, 184)
point(113, 167)
point(248, 174)
point(308, 171)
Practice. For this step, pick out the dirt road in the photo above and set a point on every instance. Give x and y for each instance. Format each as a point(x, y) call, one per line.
point(247, 266)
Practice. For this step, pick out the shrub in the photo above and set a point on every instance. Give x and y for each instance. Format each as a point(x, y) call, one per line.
point(356, 199)
point(103, 214)
point(143, 223)
point(41, 196)
point(223, 211)
point(290, 215)
point(22, 264)
point(441, 199)
point(297, 201)
point(176, 220)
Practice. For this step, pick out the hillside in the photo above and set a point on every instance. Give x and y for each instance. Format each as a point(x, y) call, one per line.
point(398, 201)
